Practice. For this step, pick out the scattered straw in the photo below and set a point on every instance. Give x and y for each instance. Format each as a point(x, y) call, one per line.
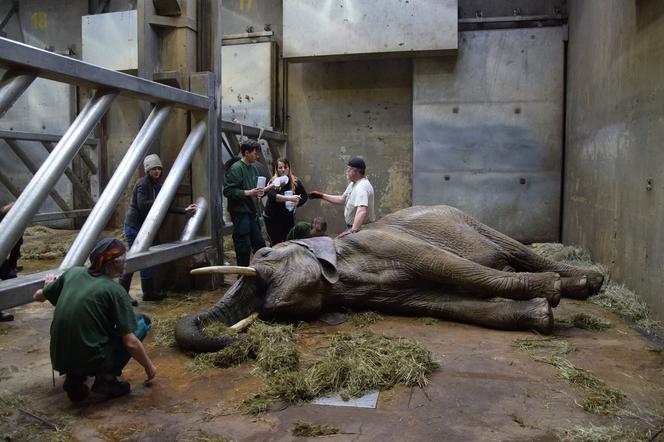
point(532, 345)
point(202, 436)
point(601, 434)
point(163, 332)
point(275, 348)
point(231, 355)
point(307, 429)
point(364, 319)
point(586, 321)
point(601, 399)
point(175, 300)
point(9, 402)
point(428, 321)
point(619, 299)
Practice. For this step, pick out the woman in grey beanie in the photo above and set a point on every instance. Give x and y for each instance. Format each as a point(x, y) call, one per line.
point(143, 196)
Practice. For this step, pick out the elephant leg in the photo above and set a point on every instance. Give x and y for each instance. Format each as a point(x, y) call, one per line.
point(439, 265)
point(503, 314)
point(576, 283)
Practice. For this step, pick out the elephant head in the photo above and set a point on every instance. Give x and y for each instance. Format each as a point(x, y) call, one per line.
point(284, 282)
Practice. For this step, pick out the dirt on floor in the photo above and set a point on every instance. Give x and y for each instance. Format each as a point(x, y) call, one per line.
point(491, 385)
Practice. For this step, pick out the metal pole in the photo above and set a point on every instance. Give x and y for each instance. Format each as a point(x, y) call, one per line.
point(196, 221)
point(75, 181)
point(4, 179)
point(13, 84)
point(107, 202)
point(34, 194)
point(165, 197)
point(32, 167)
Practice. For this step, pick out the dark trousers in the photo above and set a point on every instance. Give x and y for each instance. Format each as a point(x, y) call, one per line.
point(130, 234)
point(247, 236)
point(278, 227)
point(119, 354)
point(8, 267)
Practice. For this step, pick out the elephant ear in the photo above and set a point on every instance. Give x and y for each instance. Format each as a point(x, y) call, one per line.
point(323, 249)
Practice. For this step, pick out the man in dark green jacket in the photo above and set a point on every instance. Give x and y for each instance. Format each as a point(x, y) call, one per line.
point(241, 189)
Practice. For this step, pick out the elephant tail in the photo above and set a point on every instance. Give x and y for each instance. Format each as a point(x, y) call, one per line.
point(190, 337)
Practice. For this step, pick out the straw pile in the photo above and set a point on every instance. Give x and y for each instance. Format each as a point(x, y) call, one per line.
point(614, 297)
point(307, 429)
point(352, 366)
point(364, 319)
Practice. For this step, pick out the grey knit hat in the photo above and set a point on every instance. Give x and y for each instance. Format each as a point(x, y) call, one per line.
point(152, 161)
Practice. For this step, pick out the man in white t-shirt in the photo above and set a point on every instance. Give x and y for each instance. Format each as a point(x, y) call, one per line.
point(358, 198)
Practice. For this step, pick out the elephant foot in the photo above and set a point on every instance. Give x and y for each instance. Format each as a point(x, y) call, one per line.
point(582, 287)
point(547, 285)
point(540, 316)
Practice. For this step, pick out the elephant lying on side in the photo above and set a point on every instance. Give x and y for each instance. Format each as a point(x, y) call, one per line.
point(421, 261)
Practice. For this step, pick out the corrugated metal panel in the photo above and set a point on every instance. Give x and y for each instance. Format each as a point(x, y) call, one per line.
point(487, 130)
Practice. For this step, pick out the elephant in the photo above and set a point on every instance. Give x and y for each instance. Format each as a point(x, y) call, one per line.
point(434, 261)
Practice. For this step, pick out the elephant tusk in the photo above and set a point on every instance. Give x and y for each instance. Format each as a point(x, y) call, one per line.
point(225, 270)
point(245, 323)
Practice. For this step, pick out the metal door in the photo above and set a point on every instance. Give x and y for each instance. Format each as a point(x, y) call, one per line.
point(487, 130)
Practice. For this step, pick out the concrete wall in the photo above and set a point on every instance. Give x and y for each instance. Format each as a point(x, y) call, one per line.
point(615, 128)
point(337, 110)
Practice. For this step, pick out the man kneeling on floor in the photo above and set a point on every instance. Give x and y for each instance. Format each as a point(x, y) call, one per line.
point(94, 330)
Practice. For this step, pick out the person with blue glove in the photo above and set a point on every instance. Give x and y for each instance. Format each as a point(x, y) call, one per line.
point(94, 330)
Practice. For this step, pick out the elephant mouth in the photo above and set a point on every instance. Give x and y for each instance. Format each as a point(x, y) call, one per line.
point(239, 306)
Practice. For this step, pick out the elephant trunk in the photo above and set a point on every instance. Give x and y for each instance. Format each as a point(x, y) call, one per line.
point(240, 301)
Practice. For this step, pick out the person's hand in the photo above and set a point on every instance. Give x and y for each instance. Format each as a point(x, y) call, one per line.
point(316, 195)
point(191, 209)
point(294, 199)
point(345, 233)
point(150, 372)
point(49, 279)
point(253, 192)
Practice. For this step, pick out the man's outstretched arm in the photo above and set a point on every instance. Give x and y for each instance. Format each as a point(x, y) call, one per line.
point(135, 348)
point(334, 199)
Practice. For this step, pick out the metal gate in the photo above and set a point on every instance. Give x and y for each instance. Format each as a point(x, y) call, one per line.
point(487, 130)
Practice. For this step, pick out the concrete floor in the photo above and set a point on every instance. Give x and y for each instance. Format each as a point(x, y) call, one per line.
point(485, 389)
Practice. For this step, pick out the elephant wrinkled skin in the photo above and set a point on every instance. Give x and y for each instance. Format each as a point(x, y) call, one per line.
point(422, 261)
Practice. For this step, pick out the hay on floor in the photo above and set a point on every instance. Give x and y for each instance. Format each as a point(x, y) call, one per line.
point(364, 319)
point(614, 297)
point(601, 399)
point(307, 429)
point(593, 433)
point(586, 321)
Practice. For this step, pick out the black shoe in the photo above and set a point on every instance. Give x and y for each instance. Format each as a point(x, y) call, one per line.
point(149, 291)
point(75, 387)
point(110, 386)
point(6, 318)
